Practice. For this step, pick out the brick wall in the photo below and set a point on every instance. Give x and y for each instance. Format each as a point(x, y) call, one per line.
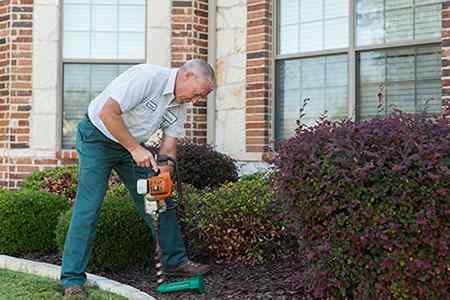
point(258, 75)
point(15, 90)
point(5, 55)
point(13, 170)
point(189, 41)
point(15, 73)
point(446, 58)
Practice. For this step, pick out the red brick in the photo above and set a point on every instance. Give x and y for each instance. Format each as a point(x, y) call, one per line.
point(257, 141)
point(257, 118)
point(28, 169)
point(257, 133)
point(255, 148)
point(257, 102)
point(45, 162)
point(253, 125)
point(24, 161)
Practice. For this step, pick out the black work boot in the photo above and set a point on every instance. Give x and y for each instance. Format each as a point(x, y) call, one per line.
point(75, 292)
point(189, 268)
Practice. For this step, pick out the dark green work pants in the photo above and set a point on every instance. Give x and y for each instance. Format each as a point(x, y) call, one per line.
point(98, 155)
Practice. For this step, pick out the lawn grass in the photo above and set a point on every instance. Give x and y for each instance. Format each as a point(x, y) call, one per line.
point(15, 285)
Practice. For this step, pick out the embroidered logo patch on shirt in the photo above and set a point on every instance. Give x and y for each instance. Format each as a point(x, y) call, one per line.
point(151, 105)
point(169, 118)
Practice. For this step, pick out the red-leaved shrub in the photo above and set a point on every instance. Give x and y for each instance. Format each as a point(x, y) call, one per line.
point(370, 205)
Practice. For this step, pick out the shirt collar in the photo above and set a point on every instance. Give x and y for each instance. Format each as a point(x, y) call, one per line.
point(170, 85)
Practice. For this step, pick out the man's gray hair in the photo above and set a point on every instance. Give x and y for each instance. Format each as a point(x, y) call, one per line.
point(201, 68)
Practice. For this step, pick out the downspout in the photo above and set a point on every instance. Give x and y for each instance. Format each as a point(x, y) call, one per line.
point(212, 57)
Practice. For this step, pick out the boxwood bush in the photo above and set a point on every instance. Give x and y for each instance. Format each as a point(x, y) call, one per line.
point(122, 240)
point(28, 221)
point(233, 222)
point(370, 205)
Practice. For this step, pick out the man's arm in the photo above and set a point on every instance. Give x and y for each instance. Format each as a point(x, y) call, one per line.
point(169, 148)
point(111, 116)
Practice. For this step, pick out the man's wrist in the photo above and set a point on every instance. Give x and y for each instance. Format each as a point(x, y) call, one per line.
point(132, 147)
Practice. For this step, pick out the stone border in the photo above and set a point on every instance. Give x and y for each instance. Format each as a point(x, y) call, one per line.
point(53, 271)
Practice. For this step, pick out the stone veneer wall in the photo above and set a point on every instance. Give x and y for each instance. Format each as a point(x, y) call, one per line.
point(230, 71)
point(189, 41)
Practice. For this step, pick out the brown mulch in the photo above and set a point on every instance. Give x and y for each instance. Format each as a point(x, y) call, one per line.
point(226, 281)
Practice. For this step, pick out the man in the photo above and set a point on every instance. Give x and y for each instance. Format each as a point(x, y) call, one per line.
point(130, 109)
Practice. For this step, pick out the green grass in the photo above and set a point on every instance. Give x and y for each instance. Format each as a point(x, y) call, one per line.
point(15, 285)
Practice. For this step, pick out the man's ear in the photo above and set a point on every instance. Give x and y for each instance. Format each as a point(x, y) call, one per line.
point(188, 74)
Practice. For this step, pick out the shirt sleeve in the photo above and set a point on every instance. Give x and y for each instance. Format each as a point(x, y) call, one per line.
point(176, 129)
point(131, 87)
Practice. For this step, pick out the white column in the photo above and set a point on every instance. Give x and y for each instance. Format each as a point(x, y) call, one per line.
point(158, 32)
point(46, 78)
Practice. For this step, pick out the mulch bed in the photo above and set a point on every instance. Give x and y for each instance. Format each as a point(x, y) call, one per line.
point(226, 281)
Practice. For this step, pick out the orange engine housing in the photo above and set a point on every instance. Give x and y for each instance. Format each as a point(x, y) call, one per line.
point(161, 186)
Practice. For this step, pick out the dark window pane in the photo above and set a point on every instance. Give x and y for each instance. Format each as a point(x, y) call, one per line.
point(82, 83)
point(382, 21)
point(404, 79)
point(323, 80)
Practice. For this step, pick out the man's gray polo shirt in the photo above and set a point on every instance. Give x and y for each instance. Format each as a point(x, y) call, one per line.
point(145, 94)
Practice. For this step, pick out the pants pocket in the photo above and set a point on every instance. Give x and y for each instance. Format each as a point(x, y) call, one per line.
point(86, 131)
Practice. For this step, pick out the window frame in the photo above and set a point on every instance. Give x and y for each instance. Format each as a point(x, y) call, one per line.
point(63, 61)
point(352, 52)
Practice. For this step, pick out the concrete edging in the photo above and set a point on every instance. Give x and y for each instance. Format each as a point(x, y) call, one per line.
point(52, 272)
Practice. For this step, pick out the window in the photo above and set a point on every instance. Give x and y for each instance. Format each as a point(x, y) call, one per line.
point(102, 38)
point(344, 55)
point(312, 25)
point(321, 79)
point(407, 79)
point(382, 21)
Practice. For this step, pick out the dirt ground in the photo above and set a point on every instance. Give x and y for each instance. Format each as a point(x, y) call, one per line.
point(226, 281)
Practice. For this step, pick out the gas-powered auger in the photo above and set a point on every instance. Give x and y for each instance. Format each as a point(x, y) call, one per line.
point(157, 189)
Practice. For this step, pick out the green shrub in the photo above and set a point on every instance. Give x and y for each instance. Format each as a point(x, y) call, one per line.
point(234, 222)
point(122, 240)
point(28, 220)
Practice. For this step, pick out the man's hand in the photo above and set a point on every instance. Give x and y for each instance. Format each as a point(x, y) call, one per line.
point(166, 169)
point(144, 158)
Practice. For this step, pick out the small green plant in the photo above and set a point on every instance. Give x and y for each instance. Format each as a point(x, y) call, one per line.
point(28, 221)
point(123, 239)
